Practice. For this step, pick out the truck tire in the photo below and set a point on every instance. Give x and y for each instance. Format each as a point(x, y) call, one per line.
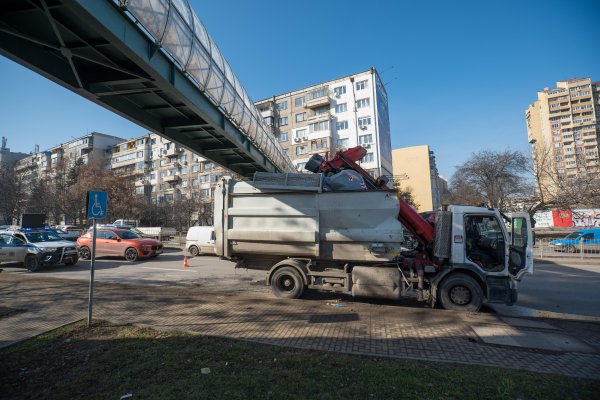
point(194, 251)
point(460, 292)
point(32, 263)
point(287, 282)
point(85, 253)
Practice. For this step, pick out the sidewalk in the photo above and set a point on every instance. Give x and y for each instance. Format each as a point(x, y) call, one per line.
point(374, 329)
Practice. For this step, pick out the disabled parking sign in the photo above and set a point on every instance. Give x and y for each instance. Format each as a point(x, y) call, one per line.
point(96, 205)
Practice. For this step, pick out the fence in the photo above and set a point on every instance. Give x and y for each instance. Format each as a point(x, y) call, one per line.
point(584, 249)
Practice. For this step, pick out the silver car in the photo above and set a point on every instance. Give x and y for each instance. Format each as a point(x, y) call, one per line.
point(14, 249)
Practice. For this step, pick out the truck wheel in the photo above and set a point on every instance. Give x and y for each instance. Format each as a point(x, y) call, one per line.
point(287, 282)
point(194, 251)
point(131, 254)
point(32, 263)
point(85, 253)
point(460, 292)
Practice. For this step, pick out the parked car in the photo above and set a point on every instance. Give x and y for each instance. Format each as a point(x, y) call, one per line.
point(70, 236)
point(55, 250)
point(200, 239)
point(119, 242)
point(584, 239)
point(14, 249)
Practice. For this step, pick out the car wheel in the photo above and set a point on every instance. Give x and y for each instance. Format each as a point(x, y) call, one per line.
point(460, 292)
point(72, 261)
point(131, 254)
point(194, 251)
point(32, 263)
point(571, 249)
point(287, 282)
point(85, 253)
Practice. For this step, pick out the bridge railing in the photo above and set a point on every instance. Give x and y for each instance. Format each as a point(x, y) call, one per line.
point(173, 25)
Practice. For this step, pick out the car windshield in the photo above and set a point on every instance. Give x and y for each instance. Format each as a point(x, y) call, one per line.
point(129, 235)
point(573, 235)
point(45, 236)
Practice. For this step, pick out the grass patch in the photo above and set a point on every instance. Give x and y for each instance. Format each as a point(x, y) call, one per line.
point(7, 312)
point(106, 362)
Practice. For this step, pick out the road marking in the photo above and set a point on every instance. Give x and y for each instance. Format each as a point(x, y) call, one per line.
point(570, 275)
point(171, 269)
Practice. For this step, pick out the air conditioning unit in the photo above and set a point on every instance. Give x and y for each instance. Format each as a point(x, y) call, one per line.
point(305, 138)
point(297, 140)
point(363, 127)
point(366, 145)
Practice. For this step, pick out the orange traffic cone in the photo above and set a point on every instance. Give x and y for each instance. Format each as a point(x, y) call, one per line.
point(185, 262)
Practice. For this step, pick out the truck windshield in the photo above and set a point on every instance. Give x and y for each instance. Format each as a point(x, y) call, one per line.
point(46, 236)
point(129, 235)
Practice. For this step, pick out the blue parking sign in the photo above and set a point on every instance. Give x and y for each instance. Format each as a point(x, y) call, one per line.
point(96, 205)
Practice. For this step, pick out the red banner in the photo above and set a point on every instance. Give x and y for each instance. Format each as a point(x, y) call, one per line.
point(563, 218)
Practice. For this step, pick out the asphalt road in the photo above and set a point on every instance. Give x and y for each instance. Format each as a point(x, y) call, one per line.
point(165, 270)
point(561, 288)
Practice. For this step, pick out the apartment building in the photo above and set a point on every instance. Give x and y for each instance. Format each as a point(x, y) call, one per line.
point(415, 167)
point(89, 148)
point(162, 170)
point(563, 128)
point(334, 115)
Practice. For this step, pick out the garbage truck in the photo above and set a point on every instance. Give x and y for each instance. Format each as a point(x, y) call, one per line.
point(341, 230)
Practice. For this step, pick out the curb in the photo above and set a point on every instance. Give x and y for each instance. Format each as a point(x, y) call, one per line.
point(567, 260)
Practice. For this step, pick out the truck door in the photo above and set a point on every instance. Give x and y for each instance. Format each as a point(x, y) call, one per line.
point(520, 257)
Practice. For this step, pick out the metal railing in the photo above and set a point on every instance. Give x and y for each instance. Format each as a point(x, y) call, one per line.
point(585, 249)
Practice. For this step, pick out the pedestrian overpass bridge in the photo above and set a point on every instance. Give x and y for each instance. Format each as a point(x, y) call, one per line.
point(150, 61)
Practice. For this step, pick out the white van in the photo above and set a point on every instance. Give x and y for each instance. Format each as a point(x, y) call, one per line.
point(200, 239)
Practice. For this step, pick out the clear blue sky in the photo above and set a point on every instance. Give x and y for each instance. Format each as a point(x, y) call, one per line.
point(461, 73)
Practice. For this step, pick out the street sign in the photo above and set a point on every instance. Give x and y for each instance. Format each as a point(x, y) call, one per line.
point(96, 205)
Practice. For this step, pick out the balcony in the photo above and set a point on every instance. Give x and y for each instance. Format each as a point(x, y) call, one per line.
point(318, 98)
point(319, 117)
point(171, 178)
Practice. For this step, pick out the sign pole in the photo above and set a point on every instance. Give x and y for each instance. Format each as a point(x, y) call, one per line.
point(91, 294)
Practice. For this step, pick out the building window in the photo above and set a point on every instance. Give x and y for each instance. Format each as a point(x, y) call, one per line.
point(341, 125)
point(318, 144)
point(282, 121)
point(300, 166)
point(196, 182)
point(152, 176)
point(282, 105)
point(140, 154)
point(362, 103)
point(139, 165)
point(364, 122)
point(368, 157)
point(195, 168)
point(319, 126)
point(184, 171)
point(340, 90)
point(300, 133)
point(300, 117)
point(139, 142)
point(172, 160)
point(205, 193)
point(361, 85)
point(208, 166)
point(365, 139)
point(321, 110)
point(301, 150)
point(283, 137)
point(162, 174)
point(339, 108)
point(139, 189)
point(184, 183)
point(299, 101)
point(343, 142)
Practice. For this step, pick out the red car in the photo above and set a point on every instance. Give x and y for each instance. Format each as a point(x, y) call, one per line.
point(119, 242)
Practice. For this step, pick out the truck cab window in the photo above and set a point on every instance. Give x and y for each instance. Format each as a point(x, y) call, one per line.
point(484, 241)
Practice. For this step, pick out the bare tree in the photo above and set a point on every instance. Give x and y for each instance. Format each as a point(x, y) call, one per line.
point(404, 191)
point(11, 194)
point(556, 189)
point(491, 177)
